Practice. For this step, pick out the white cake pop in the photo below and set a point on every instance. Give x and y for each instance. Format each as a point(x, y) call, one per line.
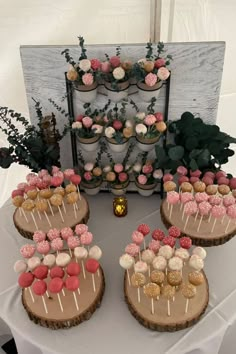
point(196, 262)
point(166, 251)
point(199, 251)
point(182, 253)
point(49, 260)
point(63, 259)
point(20, 266)
point(80, 252)
point(95, 252)
point(159, 263)
point(175, 263)
point(140, 267)
point(148, 256)
point(33, 262)
point(126, 261)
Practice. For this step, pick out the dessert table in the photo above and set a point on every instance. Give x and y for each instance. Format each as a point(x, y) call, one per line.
point(112, 328)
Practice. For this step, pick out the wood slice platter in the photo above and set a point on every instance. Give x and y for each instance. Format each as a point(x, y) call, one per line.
point(160, 321)
point(70, 220)
point(88, 302)
point(204, 237)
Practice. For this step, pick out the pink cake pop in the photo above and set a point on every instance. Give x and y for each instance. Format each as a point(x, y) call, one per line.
point(40, 288)
point(169, 240)
point(185, 197)
point(158, 234)
point(66, 232)
point(17, 192)
point(53, 233)
point(75, 179)
point(41, 184)
point(185, 242)
point(81, 229)
point(59, 174)
point(132, 249)
point(27, 251)
point(73, 268)
point(228, 200)
point(42, 173)
point(68, 173)
point(140, 267)
point(172, 199)
point(215, 200)
point(55, 169)
point(144, 229)
point(57, 244)
point(204, 209)
point(201, 197)
point(57, 272)
point(154, 245)
point(182, 179)
point(25, 280)
point(193, 179)
point(137, 237)
point(232, 183)
point(168, 177)
point(181, 170)
point(86, 238)
point(231, 212)
point(210, 174)
point(73, 242)
point(56, 181)
point(174, 231)
point(41, 272)
point(47, 180)
point(29, 176)
point(21, 186)
point(43, 247)
point(218, 212)
point(55, 286)
point(39, 236)
point(72, 284)
point(196, 173)
point(190, 208)
point(20, 266)
point(223, 180)
point(92, 266)
point(207, 180)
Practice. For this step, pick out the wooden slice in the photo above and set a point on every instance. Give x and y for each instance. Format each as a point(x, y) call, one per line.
point(160, 321)
point(27, 229)
point(204, 237)
point(88, 302)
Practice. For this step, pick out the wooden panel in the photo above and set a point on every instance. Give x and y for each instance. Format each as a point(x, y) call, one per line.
point(195, 82)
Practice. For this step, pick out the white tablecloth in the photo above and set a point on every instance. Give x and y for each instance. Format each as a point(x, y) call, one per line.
point(112, 328)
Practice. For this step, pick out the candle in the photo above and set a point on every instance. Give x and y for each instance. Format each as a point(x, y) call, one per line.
point(120, 206)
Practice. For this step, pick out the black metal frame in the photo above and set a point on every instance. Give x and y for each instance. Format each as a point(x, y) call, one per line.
point(69, 94)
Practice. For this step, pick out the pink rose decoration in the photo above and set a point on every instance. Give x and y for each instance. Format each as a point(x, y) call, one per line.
point(163, 73)
point(150, 79)
point(123, 177)
point(79, 118)
point(105, 67)
point(159, 116)
point(142, 179)
point(115, 61)
point(87, 79)
point(88, 176)
point(87, 122)
point(159, 63)
point(118, 167)
point(147, 169)
point(95, 64)
point(117, 125)
point(150, 119)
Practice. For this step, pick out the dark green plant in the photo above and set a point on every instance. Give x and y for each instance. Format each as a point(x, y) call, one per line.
point(197, 145)
point(33, 146)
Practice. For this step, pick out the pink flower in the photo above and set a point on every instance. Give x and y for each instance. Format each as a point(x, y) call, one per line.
point(87, 79)
point(117, 125)
point(147, 169)
point(95, 64)
point(118, 167)
point(150, 79)
point(123, 177)
point(79, 118)
point(55, 169)
point(105, 67)
point(87, 122)
point(105, 119)
point(150, 119)
point(159, 116)
point(163, 73)
point(160, 62)
point(115, 61)
point(88, 176)
point(142, 179)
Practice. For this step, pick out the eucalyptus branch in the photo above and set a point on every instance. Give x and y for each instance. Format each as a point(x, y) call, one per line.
point(68, 57)
point(83, 54)
point(150, 107)
point(128, 153)
point(80, 157)
point(118, 50)
point(149, 48)
point(105, 108)
point(58, 108)
point(110, 158)
point(133, 104)
point(100, 153)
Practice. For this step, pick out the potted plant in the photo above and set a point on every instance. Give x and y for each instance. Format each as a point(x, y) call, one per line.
point(118, 130)
point(34, 146)
point(116, 74)
point(197, 146)
point(84, 74)
point(116, 174)
point(151, 71)
point(149, 127)
point(146, 176)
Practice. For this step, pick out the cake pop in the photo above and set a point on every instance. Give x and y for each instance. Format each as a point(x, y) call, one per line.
point(204, 208)
point(185, 197)
point(188, 291)
point(72, 284)
point(20, 266)
point(17, 201)
point(46, 195)
point(81, 229)
point(169, 186)
point(140, 267)
point(95, 252)
point(66, 232)
point(181, 170)
point(55, 286)
point(56, 272)
point(138, 280)
point(174, 278)
point(33, 262)
point(57, 244)
point(28, 205)
point(147, 257)
point(41, 271)
point(53, 233)
point(186, 187)
point(152, 291)
point(174, 231)
point(158, 234)
point(168, 177)
point(42, 206)
point(56, 200)
point(137, 237)
point(165, 251)
point(175, 263)
point(232, 183)
point(73, 242)
point(231, 212)
point(126, 262)
point(73, 268)
point(190, 208)
point(92, 266)
point(70, 188)
point(196, 262)
point(144, 229)
point(39, 288)
point(159, 263)
point(199, 186)
point(199, 251)
point(68, 173)
point(168, 292)
point(172, 199)
point(154, 245)
point(157, 277)
point(223, 189)
point(17, 192)
point(43, 247)
point(217, 211)
point(39, 236)
point(27, 251)
point(49, 260)
point(86, 238)
point(25, 280)
point(72, 198)
point(76, 179)
point(195, 278)
point(62, 259)
point(169, 240)
point(211, 189)
point(132, 249)
point(182, 253)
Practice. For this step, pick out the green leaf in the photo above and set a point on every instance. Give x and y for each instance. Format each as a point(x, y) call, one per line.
point(203, 159)
point(176, 153)
point(193, 165)
point(191, 143)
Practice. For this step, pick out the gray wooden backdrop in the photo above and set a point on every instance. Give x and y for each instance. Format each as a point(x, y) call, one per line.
point(195, 81)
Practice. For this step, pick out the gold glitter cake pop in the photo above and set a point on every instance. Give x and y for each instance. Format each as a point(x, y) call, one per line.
point(223, 189)
point(59, 190)
point(174, 278)
point(17, 201)
point(56, 200)
point(211, 189)
point(186, 187)
point(45, 193)
point(28, 205)
point(42, 206)
point(169, 186)
point(168, 293)
point(196, 278)
point(188, 291)
point(70, 188)
point(32, 194)
point(157, 277)
point(151, 290)
point(138, 280)
point(199, 186)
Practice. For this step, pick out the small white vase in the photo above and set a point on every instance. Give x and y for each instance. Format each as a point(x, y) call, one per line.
point(89, 145)
point(117, 147)
point(91, 189)
point(86, 94)
point(145, 190)
point(119, 94)
point(146, 93)
point(120, 189)
point(146, 144)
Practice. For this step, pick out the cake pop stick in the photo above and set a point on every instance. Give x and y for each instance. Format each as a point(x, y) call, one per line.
point(56, 200)
point(92, 266)
point(42, 206)
point(231, 212)
point(188, 291)
point(25, 280)
point(95, 252)
point(76, 179)
point(81, 253)
point(168, 292)
point(73, 242)
point(126, 261)
point(204, 209)
point(72, 198)
point(190, 208)
point(29, 205)
point(86, 239)
point(218, 211)
point(55, 286)
point(172, 199)
point(138, 280)
point(32, 194)
point(152, 291)
point(72, 284)
point(39, 288)
point(138, 238)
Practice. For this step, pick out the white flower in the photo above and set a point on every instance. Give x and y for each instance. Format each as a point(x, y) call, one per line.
point(109, 132)
point(142, 61)
point(85, 64)
point(128, 168)
point(128, 123)
point(97, 128)
point(107, 168)
point(140, 115)
point(163, 73)
point(158, 174)
point(118, 73)
point(137, 167)
point(141, 129)
point(89, 166)
point(76, 125)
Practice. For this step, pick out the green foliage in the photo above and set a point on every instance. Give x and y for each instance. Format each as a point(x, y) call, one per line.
point(197, 145)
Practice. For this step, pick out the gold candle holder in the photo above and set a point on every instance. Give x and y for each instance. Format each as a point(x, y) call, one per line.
point(120, 206)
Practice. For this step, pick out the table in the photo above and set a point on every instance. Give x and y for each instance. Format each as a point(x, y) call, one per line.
point(112, 328)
